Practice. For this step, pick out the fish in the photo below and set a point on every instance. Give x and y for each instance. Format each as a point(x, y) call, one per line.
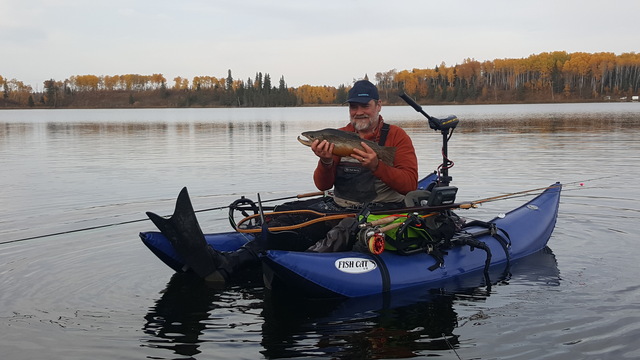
point(345, 141)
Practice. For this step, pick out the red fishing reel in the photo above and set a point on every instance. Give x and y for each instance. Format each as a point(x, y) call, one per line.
point(376, 243)
point(371, 239)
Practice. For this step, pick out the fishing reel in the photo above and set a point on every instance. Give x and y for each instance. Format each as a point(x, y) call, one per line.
point(371, 238)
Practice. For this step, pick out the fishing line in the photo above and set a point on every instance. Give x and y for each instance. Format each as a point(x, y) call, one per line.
point(299, 196)
point(72, 231)
point(450, 346)
point(581, 182)
point(570, 186)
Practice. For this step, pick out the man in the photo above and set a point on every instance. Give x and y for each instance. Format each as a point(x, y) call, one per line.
point(363, 177)
point(357, 179)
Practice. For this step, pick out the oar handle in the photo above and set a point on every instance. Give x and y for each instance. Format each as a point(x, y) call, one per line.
point(305, 195)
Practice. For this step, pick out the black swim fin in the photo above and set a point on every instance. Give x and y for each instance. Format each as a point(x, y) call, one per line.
point(183, 231)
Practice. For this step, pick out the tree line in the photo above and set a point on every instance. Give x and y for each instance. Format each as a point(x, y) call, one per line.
point(555, 76)
point(545, 77)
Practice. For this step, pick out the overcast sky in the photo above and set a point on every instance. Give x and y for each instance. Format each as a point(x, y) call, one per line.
point(328, 42)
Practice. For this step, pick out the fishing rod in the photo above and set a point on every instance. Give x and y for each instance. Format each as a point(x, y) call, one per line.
point(475, 203)
point(430, 208)
point(299, 196)
point(467, 205)
point(394, 213)
point(462, 205)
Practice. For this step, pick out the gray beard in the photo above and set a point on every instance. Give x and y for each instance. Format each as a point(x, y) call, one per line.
point(359, 125)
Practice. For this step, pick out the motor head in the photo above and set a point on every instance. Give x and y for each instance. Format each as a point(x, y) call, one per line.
point(450, 122)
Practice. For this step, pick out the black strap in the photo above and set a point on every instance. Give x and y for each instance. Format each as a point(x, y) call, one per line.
point(384, 273)
point(384, 131)
point(492, 230)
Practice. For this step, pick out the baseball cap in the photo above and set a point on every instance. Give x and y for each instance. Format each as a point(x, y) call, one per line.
point(363, 91)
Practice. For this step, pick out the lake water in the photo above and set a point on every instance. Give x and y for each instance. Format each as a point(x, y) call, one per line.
point(93, 291)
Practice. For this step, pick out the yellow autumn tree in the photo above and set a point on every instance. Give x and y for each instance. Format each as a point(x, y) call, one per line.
point(308, 94)
point(15, 90)
point(180, 83)
point(84, 82)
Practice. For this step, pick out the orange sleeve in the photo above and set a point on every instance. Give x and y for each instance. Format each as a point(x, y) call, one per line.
point(324, 176)
point(403, 175)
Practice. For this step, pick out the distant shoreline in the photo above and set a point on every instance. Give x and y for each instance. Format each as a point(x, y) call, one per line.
point(130, 107)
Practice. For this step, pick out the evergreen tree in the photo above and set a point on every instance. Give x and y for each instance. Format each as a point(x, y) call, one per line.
point(229, 82)
point(258, 82)
point(341, 94)
point(266, 87)
point(50, 90)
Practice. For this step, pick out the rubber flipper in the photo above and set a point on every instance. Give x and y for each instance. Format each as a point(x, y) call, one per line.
point(183, 231)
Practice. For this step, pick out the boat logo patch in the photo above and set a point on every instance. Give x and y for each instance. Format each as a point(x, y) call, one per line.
point(354, 265)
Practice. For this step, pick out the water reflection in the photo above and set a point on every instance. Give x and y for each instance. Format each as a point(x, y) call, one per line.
point(571, 123)
point(177, 320)
point(358, 328)
point(136, 129)
point(520, 118)
point(187, 308)
point(415, 322)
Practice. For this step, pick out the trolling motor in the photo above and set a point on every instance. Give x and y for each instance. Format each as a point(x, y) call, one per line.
point(442, 193)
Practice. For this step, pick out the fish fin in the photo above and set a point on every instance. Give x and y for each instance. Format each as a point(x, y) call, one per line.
point(185, 235)
point(161, 223)
point(387, 154)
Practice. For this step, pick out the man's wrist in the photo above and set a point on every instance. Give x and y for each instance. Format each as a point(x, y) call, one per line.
point(326, 163)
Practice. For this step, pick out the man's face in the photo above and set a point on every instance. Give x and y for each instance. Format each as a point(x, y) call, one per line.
point(364, 117)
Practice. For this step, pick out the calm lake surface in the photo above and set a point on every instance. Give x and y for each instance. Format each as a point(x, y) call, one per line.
point(93, 291)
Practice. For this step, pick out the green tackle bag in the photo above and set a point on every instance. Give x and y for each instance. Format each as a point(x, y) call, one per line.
point(419, 234)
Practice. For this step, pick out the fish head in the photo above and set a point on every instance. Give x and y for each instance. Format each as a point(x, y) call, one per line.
point(311, 136)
